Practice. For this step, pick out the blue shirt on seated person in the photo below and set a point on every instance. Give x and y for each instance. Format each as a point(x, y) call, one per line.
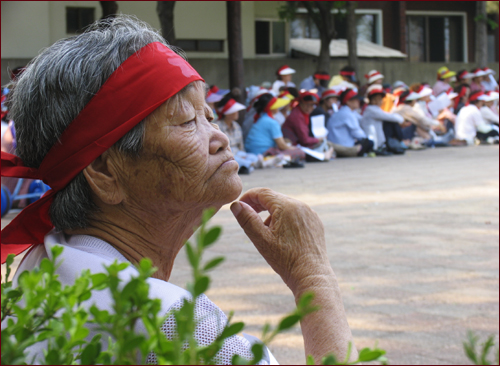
point(262, 134)
point(343, 127)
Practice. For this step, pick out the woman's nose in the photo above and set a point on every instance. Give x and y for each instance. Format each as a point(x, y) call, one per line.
point(218, 139)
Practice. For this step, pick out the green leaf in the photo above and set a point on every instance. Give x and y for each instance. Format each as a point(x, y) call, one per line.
point(310, 360)
point(80, 333)
point(207, 215)
point(122, 266)
point(193, 259)
point(213, 263)
point(486, 349)
point(368, 354)
point(258, 353)
point(305, 300)
point(232, 330)
point(13, 293)
point(201, 285)
point(130, 288)
point(56, 251)
point(238, 360)
point(329, 360)
point(90, 354)
point(211, 236)
point(288, 322)
point(10, 259)
point(98, 279)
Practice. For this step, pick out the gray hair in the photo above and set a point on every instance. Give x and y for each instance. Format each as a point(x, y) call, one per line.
point(57, 85)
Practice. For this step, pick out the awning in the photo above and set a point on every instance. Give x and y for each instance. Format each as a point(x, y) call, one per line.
point(338, 48)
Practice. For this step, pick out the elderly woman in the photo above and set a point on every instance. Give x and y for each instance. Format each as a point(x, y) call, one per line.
point(132, 172)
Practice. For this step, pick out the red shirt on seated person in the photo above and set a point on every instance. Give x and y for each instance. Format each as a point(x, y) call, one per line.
point(296, 126)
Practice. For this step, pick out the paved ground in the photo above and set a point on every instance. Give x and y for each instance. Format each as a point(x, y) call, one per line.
point(413, 239)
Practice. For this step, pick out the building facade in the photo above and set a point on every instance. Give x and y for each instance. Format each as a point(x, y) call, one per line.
point(429, 33)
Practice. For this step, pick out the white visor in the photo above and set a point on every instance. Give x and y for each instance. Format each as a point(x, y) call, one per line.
point(214, 98)
point(236, 107)
point(426, 91)
point(287, 71)
point(412, 96)
point(452, 95)
point(484, 98)
point(375, 78)
point(480, 73)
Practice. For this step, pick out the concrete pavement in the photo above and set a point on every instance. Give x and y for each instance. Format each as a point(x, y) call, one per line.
point(413, 239)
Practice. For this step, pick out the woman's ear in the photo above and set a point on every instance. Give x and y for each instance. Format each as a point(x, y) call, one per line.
point(102, 179)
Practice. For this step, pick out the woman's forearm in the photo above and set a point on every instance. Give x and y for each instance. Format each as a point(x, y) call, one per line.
point(325, 331)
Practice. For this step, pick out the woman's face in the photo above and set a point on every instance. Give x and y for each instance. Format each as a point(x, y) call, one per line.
point(186, 162)
point(231, 116)
point(286, 78)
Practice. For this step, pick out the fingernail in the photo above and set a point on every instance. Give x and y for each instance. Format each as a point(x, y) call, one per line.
point(236, 208)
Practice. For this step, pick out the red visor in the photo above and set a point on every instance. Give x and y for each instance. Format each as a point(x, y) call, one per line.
point(474, 96)
point(140, 85)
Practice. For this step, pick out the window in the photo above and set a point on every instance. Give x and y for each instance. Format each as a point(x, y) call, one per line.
point(269, 37)
point(78, 18)
point(201, 45)
point(435, 38)
point(368, 26)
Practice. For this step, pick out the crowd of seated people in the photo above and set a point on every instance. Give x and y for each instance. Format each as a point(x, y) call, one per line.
point(280, 125)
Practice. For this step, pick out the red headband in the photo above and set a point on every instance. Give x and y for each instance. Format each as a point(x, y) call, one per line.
point(322, 76)
point(226, 107)
point(141, 84)
point(349, 95)
point(267, 109)
point(347, 73)
point(329, 93)
point(473, 97)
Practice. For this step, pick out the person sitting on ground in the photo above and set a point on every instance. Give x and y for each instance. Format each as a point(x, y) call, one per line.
point(464, 77)
point(486, 110)
point(319, 81)
point(297, 128)
point(228, 114)
point(444, 79)
point(327, 103)
point(345, 79)
point(373, 77)
point(214, 95)
point(283, 113)
point(284, 79)
point(343, 127)
point(463, 92)
point(489, 83)
point(418, 132)
point(133, 169)
point(476, 85)
point(265, 136)
point(470, 125)
point(380, 126)
point(248, 119)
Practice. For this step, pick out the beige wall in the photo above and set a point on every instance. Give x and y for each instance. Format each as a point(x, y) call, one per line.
point(25, 28)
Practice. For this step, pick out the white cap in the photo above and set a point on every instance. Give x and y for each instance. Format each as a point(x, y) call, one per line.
point(489, 71)
point(373, 76)
point(489, 97)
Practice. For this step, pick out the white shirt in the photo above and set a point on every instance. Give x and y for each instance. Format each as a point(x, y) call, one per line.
point(488, 115)
point(86, 252)
point(278, 84)
point(372, 123)
point(468, 122)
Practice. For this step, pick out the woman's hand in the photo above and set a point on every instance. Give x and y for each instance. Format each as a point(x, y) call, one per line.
point(291, 239)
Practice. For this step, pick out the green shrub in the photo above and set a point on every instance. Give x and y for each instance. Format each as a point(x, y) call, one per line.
point(40, 309)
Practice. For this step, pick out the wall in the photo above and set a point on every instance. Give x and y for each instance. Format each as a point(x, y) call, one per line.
point(20, 38)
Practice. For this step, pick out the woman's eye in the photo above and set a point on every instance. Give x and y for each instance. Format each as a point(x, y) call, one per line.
point(188, 123)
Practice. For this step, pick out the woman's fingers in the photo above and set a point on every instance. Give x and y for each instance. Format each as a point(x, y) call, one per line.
point(262, 199)
point(251, 223)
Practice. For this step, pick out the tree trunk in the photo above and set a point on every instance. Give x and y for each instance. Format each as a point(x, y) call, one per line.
point(235, 49)
point(324, 53)
point(352, 35)
point(165, 11)
point(323, 19)
point(109, 9)
point(481, 35)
